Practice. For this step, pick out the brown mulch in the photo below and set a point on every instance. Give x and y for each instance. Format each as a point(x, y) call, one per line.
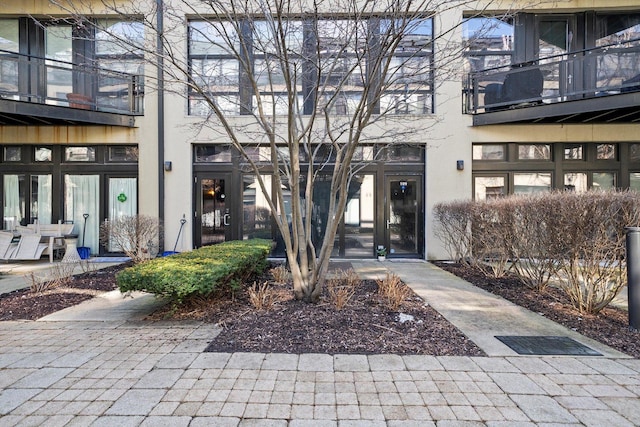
point(610, 326)
point(365, 326)
point(26, 305)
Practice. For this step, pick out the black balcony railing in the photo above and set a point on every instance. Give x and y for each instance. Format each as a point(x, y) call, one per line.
point(586, 74)
point(52, 82)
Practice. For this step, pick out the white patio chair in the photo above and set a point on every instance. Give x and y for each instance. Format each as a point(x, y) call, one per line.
point(6, 246)
point(29, 247)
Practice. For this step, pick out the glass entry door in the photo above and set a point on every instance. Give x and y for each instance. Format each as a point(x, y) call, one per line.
point(403, 215)
point(213, 211)
point(556, 37)
point(123, 201)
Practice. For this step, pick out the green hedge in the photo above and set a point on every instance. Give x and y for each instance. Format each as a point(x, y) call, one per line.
point(198, 272)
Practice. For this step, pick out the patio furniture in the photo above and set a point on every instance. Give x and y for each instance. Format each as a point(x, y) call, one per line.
point(52, 235)
point(28, 248)
point(71, 252)
point(6, 245)
point(523, 84)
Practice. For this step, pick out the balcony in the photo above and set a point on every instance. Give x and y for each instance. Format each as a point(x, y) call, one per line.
point(43, 91)
point(600, 85)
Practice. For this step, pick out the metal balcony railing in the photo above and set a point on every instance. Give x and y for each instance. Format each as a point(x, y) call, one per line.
point(47, 81)
point(590, 73)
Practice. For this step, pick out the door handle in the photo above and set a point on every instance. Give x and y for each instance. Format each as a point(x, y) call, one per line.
point(225, 219)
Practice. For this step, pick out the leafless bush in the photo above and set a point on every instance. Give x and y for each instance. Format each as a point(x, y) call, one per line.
point(393, 291)
point(59, 274)
point(136, 236)
point(452, 227)
point(86, 266)
point(280, 274)
point(576, 240)
point(342, 287)
point(262, 297)
point(592, 271)
point(534, 246)
point(493, 227)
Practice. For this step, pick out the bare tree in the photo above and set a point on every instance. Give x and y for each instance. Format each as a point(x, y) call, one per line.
point(309, 81)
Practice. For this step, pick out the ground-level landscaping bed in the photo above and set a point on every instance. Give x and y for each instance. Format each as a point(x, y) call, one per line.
point(365, 325)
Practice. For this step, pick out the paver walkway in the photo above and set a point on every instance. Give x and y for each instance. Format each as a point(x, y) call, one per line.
point(120, 372)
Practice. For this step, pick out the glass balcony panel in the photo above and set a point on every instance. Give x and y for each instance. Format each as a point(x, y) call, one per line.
point(571, 76)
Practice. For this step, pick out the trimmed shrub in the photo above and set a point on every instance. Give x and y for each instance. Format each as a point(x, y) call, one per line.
point(198, 272)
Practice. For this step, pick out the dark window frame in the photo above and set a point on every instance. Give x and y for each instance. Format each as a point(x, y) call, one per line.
point(307, 80)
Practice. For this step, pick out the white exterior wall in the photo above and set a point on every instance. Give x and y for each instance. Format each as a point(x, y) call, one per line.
point(448, 134)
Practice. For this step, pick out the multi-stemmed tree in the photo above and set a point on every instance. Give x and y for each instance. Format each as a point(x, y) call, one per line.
point(306, 81)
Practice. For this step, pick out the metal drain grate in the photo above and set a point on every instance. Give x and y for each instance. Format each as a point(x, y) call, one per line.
point(543, 346)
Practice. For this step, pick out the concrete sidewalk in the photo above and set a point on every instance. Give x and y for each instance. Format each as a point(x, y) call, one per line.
point(14, 275)
point(478, 314)
point(86, 369)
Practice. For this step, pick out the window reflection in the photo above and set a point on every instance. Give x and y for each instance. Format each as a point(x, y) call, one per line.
point(256, 222)
point(489, 187)
point(526, 183)
point(359, 217)
point(604, 180)
point(489, 152)
point(534, 152)
point(12, 154)
point(573, 152)
point(212, 153)
point(606, 151)
point(42, 154)
point(575, 182)
point(488, 42)
point(634, 181)
point(80, 154)
point(618, 28)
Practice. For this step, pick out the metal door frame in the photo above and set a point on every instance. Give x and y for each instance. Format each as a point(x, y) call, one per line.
point(198, 206)
point(419, 179)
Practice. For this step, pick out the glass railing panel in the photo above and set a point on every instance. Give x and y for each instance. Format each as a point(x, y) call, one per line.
point(591, 73)
point(53, 82)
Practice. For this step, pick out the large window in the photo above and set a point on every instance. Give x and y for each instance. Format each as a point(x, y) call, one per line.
point(69, 49)
point(488, 42)
point(63, 183)
point(617, 28)
point(238, 67)
point(513, 168)
point(213, 51)
point(118, 47)
point(9, 43)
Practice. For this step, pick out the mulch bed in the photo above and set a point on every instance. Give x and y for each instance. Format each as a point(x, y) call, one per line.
point(610, 326)
point(26, 305)
point(365, 326)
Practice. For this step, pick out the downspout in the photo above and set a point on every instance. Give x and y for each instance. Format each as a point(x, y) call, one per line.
point(160, 77)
